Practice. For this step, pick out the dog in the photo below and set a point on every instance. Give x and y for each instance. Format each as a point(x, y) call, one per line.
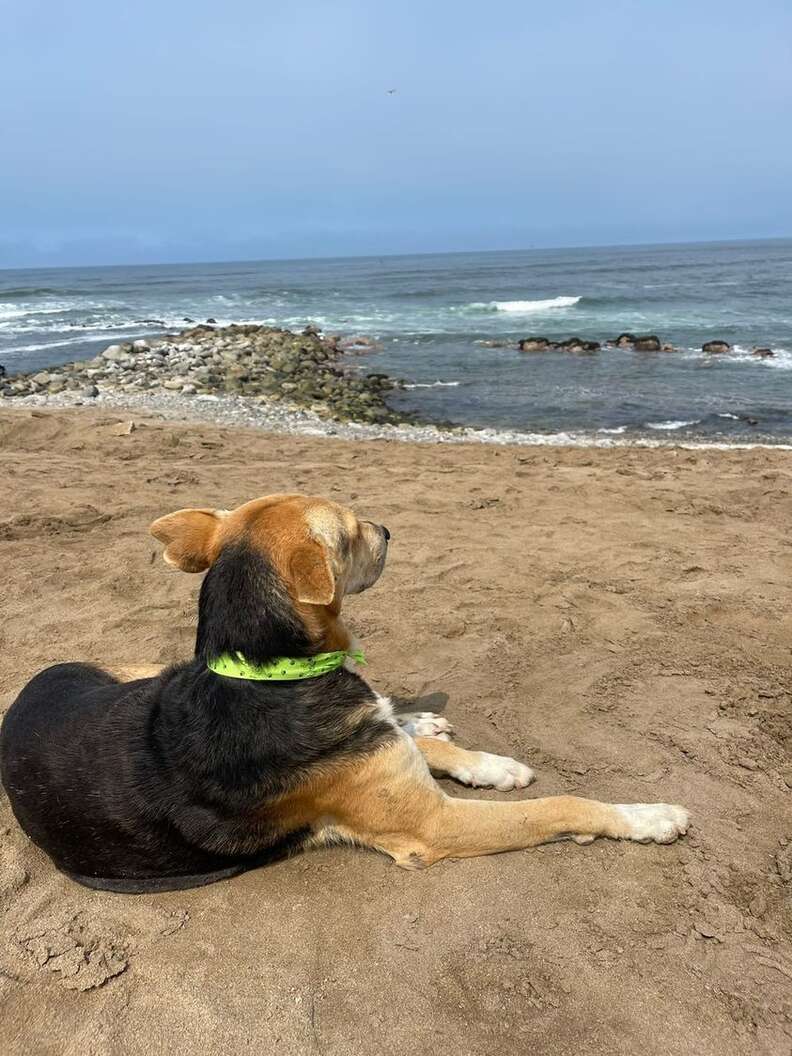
point(268, 741)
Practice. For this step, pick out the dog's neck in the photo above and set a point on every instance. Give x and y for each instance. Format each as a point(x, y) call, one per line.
point(244, 607)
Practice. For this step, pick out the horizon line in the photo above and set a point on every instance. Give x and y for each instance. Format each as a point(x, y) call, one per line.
point(396, 256)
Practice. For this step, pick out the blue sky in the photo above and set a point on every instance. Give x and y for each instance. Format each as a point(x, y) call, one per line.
point(200, 130)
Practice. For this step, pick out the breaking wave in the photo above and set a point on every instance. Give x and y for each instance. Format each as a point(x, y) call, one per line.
point(523, 307)
point(672, 424)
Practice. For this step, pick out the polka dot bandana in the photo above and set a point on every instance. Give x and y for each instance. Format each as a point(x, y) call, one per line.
point(283, 669)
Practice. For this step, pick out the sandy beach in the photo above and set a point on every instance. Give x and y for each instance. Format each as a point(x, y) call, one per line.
point(619, 619)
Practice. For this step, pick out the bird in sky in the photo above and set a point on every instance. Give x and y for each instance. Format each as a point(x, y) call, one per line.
point(391, 91)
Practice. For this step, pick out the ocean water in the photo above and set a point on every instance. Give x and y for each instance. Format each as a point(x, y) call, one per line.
point(431, 314)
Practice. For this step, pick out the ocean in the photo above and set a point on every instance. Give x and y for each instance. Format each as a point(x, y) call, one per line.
point(432, 314)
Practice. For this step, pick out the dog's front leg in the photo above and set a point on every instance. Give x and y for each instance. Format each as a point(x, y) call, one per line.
point(478, 769)
point(468, 827)
point(415, 723)
point(389, 801)
point(425, 724)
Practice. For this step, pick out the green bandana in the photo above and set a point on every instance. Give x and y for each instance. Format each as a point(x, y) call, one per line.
point(284, 669)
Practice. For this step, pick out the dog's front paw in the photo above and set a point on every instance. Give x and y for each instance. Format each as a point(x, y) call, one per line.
point(493, 771)
point(653, 822)
point(426, 724)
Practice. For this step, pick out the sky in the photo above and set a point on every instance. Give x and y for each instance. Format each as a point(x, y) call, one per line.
point(192, 131)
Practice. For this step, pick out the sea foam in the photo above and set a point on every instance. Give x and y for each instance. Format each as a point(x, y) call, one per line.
point(672, 424)
point(523, 307)
point(432, 385)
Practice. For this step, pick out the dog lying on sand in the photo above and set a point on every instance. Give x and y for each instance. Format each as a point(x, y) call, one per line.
point(268, 741)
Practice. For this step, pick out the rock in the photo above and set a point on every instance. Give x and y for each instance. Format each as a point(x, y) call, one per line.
point(762, 353)
point(42, 378)
point(577, 344)
point(2, 371)
point(647, 343)
point(212, 321)
point(716, 348)
point(114, 353)
point(140, 345)
point(90, 392)
point(124, 429)
point(668, 348)
point(534, 344)
point(623, 340)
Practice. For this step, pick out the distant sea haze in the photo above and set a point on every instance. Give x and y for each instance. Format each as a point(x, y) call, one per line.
point(437, 318)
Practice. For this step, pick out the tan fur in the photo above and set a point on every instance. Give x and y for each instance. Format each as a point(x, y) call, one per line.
point(130, 673)
point(443, 757)
point(305, 537)
point(390, 802)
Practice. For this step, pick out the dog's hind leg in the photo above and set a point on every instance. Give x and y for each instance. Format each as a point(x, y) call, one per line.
point(478, 769)
point(133, 672)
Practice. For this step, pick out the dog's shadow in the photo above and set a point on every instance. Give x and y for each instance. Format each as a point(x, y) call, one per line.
point(434, 702)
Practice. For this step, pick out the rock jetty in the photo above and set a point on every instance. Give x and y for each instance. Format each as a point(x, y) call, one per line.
point(304, 370)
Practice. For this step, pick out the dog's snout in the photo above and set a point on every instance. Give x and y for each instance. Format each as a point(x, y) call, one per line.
point(385, 532)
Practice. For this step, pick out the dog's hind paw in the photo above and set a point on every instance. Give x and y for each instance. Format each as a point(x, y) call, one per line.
point(425, 724)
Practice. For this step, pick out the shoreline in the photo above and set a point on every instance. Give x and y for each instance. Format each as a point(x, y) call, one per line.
point(274, 417)
point(308, 383)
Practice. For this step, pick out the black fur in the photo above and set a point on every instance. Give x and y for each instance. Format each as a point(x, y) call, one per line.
point(164, 782)
point(244, 606)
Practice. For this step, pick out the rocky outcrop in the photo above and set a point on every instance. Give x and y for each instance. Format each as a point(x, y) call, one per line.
point(647, 343)
point(623, 341)
point(261, 362)
point(716, 348)
point(763, 353)
point(570, 344)
point(578, 344)
point(534, 344)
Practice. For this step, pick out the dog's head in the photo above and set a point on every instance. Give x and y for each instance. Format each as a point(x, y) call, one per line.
point(321, 550)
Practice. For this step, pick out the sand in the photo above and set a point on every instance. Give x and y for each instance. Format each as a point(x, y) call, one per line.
point(618, 619)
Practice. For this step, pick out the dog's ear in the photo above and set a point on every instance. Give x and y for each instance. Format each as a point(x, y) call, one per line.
point(312, 575)
point(188, 536)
